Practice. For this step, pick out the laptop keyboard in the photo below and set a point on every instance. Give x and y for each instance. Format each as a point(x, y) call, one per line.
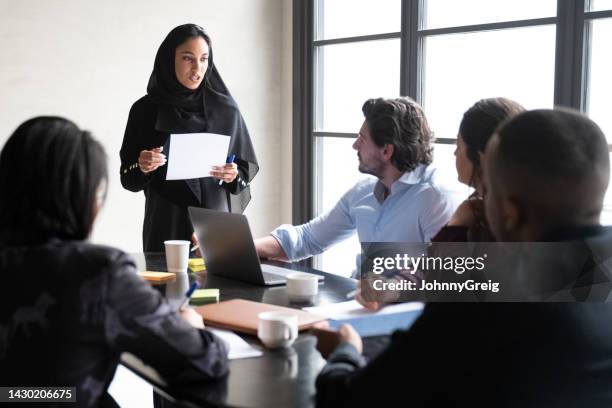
point(268, 277)
point(275, 272)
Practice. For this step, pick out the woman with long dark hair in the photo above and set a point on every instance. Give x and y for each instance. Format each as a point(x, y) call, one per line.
point(70, 308)
point(468, 223)
point(185, 94)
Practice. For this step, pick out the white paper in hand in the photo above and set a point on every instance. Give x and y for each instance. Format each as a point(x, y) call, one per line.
point(192, 155)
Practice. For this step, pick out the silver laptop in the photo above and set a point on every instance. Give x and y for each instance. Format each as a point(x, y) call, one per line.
point(227, 246)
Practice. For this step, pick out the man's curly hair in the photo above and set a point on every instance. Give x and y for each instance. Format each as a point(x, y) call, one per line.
point(400, 122)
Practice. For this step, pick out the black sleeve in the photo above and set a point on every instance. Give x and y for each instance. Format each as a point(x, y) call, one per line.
point(131, 177)
point(333, 383)
point(140, 321)
point(346, 381)
point(401, 374)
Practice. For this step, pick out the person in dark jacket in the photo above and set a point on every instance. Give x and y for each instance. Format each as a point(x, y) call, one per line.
point(70, 308)
point(546, 173)
point(185, 94)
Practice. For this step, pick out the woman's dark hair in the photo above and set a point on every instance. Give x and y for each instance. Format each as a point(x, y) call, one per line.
point(400, 122)
point(50, 172)
point(479, 123)
point(181, 33)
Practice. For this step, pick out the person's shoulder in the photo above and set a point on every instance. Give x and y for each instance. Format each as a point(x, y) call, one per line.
point(425, 183)
point(93, 258)
point(431, 178)
point(143, 105)
point(464, 215)
point(361, 188)
point(144, 100)
point(367, 182)
point(431, 183)
point(143, 114)
point(102, 253)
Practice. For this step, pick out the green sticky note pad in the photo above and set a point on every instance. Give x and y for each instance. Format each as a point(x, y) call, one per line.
point(204, 296)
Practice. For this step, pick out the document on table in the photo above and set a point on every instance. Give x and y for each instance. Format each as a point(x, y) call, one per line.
point(238, 348)
point(352, 309)
point(192, 155)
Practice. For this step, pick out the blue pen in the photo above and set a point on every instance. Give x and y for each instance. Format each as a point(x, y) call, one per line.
point(188, 295)
point(230, 159)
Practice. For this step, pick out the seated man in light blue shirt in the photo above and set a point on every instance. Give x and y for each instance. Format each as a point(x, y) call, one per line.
point(403, 202)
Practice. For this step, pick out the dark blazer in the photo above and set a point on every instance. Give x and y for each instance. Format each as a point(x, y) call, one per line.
point(487, 354)
point(166, 215)
point(70, 308)
point(482, 355)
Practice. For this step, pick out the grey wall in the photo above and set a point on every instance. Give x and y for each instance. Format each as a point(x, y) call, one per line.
point(89, 61)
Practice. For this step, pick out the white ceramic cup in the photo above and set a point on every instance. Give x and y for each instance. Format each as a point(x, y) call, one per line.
point(177, 255)
point(302, 287)
point(277, 329)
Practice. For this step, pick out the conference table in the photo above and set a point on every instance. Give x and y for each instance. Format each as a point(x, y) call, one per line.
point(279, 378)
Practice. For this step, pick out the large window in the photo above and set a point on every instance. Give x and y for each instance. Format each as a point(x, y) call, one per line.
point(446, 54)
point(454, 13)
point(347, 74)
point(599, 5)
point(517, 63)
point(474, 49)
point(598, 73)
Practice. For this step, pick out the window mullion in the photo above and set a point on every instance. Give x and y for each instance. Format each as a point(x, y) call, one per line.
point(410, 54)
point(302, 154)
point(570, 56)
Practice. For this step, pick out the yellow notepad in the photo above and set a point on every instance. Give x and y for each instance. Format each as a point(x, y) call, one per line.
point(196, 264)
point(157, 278)
point(204, 296)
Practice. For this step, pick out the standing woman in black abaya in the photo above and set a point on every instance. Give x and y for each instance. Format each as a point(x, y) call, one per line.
point(185, 94)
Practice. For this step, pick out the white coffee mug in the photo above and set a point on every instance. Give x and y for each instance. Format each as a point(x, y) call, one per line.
point(277, 329)
point(302, 287)
point(177, 255)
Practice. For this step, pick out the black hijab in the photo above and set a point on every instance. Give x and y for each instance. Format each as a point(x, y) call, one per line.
point(210, 108)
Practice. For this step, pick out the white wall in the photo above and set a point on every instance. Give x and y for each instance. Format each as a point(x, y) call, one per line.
point(89, 61)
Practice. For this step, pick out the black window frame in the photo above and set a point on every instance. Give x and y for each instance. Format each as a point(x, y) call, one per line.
point(572, 58)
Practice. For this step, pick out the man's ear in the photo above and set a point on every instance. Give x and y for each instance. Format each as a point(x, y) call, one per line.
point(481, 157)
point(387, 151)
point(512, 215)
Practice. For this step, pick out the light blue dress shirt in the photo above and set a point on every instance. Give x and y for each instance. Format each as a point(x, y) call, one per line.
point(415, 210)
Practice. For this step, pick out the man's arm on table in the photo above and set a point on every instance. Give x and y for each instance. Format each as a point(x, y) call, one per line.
point(293, 243)
point(269, 248)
